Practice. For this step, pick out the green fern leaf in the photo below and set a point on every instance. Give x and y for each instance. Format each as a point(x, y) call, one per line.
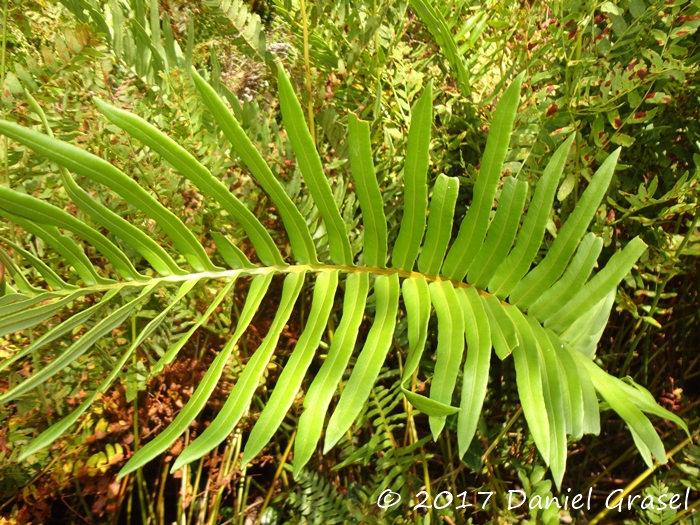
point(551, 322)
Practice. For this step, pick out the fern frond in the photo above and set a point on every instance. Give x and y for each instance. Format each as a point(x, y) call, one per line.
point(246, 25)
point(482, 287)
point(317, 501)
point(438, 27)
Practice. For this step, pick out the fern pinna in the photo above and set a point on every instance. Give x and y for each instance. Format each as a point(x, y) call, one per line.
point(481, 285)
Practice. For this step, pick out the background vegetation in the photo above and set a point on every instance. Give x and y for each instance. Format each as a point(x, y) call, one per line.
point(617, 73)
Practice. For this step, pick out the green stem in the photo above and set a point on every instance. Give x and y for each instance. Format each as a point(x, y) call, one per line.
point(262, 270)
point(223, 473)
point(130, 501)
point(184, 481)
point(307, 67)
point(83, 503)
point(279, 471)
point(631, 486)
point(2, 83)
point(501, 434)
point(139, 475)
point(195, 490)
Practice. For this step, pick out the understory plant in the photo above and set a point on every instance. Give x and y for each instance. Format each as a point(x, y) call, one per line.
point(495, 284)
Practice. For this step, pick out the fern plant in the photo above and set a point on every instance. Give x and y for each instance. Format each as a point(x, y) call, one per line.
point(482, 286)
point(135, 39)
point(317, 501)
point(393, 461)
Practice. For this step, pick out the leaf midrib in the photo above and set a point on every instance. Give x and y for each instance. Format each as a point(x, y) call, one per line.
point(262, 270)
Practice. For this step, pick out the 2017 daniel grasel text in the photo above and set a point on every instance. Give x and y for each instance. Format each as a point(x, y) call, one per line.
point(518, 498)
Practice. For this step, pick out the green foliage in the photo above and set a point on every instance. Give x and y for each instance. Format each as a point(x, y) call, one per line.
point(317, 501)
point(541, 386)
point(607, 75)
point(437, 25)
point(245, 25)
